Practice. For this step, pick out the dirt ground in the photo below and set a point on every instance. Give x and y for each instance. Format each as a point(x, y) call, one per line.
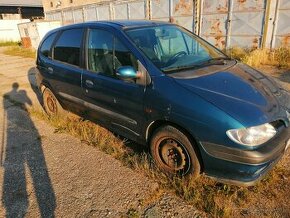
point(47, 174)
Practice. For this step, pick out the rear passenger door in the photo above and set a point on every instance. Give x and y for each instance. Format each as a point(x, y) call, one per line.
point(66, 70)
point(116, 102)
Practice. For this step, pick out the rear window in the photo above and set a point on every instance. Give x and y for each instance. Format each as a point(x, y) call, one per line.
point(67, 47)
point(45, 48)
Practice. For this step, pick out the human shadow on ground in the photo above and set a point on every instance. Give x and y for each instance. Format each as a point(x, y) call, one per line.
point(23, 160)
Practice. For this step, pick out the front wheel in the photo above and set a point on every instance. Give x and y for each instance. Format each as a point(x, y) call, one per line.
point(173, 152)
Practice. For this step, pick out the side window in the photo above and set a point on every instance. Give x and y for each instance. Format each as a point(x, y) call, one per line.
point(106, 53)
point(45, 48)
point(124, 56)
point(67, 47)
point(100, 52)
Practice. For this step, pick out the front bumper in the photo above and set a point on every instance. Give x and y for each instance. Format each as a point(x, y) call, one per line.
point(243, 167)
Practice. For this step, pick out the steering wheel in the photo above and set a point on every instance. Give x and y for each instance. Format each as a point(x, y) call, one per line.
point(174, 57)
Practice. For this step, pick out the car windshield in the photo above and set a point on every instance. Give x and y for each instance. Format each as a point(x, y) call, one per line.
point(174, 49)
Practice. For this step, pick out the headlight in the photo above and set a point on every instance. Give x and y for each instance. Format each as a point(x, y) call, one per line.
point(252, 136)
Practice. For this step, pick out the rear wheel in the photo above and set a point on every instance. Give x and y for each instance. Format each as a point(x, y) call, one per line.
point(173, 152)
point(50, 103)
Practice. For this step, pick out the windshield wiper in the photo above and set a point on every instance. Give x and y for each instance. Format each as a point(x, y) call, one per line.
point(184, 67)
point(215, 61)
point(212, 61)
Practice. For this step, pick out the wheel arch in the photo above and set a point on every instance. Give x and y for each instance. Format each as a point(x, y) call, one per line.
point(154, 125)
point(44, 85)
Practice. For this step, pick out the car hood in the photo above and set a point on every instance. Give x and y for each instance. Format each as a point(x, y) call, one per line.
point(241, 91)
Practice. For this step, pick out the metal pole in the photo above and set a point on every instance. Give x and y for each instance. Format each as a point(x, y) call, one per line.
point(128, 11)
point(266, 23)
point(97, 12)
point(200, 16)
point(273, 38)
point(170, 11)
point(229, 24)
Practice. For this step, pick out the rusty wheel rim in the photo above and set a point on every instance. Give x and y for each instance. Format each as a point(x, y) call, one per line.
point(173, 156)
point(51, 104)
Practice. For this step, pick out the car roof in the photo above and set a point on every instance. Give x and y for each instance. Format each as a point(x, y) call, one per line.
point(117, 24)
point(135, 23)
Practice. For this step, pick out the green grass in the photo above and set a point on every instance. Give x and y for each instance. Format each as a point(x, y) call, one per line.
point(9, 43)
point(20, 51)
point(279, 57)
point(207, 195)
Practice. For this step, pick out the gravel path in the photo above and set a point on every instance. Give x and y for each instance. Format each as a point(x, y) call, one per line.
point(54, 175)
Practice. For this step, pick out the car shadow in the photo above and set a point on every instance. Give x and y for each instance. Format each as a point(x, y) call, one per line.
point(32, 81)
point(25, 169)
point(132, 146)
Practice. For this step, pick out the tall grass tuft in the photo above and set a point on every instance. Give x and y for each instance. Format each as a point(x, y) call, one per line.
point(20, 51)
point(9, 43)
point(279, 57)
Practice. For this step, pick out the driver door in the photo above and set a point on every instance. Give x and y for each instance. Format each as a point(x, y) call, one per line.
point(116, 103)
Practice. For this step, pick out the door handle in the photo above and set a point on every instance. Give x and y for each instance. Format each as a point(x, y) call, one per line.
point(89, 83)
point(50, 70)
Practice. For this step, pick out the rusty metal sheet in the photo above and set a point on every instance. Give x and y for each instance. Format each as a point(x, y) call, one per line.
point(68, 17)
point(57, 16)
point(247, 23)
point(162, 19)
point(78, 16)
point(90, 13)
point(103, 12)
point(249, 5)
point(222, 22)
point(246, 41)
point(186, 22)
point(250, 23)
point(48, 16)
point(182, 8)
point(284, 5)
point(121, 11)
point(218, 41)
point(137, 9)
point(160, 9)
point(283, 27)
point(215, 6)
point(282, 41)
point(214, 29)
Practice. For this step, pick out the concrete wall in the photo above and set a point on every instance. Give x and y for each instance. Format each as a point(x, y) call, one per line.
point(224, 23)
point(50, 5)
point(9, 30)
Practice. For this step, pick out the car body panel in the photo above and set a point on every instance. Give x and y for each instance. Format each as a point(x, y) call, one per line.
point(241, 95)
point(121, 101)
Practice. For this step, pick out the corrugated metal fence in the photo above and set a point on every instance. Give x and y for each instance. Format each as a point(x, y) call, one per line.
point(224, 23)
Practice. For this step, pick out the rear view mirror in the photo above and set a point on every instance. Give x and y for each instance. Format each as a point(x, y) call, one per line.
point(127, 72)
point(166, 34)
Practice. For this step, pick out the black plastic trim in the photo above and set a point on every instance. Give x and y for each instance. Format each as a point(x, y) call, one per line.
point(263, 154)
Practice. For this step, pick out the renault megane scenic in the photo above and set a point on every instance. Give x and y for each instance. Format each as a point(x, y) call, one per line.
point(160, 85)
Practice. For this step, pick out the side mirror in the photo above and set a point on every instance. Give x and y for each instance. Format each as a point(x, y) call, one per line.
point(127, 72)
